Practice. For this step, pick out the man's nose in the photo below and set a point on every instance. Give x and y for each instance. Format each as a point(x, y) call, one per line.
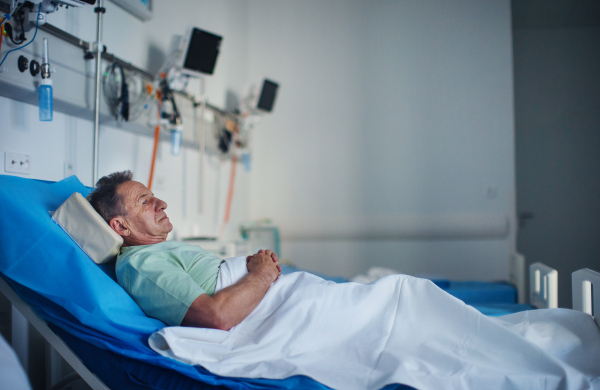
point(160, 204)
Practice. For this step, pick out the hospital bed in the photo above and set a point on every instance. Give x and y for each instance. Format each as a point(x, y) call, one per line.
point(80, 310)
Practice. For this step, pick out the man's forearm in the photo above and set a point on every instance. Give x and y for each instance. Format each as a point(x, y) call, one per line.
point(236, 302)
point(230, 306)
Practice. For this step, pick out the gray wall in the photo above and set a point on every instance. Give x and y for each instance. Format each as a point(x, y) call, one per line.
point(557, 110)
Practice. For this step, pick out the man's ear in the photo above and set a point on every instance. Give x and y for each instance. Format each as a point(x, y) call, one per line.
point(118, 225)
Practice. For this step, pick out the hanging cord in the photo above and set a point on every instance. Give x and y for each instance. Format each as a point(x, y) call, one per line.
point(21, 17)
point(127, 93)
point(229, 196)
point(163, 94)
point(140, 95)
point(10, 34)
point(1, 36)
point(9, 29)
point(32, 39)
point(235, 132)
point(116, 91)
point(174, 117)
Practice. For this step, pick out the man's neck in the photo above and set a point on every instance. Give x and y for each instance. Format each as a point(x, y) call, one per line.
point(143, 241)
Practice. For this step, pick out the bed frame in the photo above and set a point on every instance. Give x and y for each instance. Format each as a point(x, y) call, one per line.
point(586, 292)
point(543, 294)
point(543, 286)
point(54, 341)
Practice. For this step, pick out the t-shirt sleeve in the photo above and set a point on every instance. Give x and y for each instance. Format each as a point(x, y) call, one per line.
point(165, 293)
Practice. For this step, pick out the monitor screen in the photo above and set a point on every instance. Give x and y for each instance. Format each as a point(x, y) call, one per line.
point(267, 95)
point(202, 52)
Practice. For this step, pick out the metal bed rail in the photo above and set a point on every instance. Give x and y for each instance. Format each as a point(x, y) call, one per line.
point(586, 292)
point(543, 286)
point(56, 342)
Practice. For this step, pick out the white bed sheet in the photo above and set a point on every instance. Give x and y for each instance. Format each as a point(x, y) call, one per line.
point(399, 329)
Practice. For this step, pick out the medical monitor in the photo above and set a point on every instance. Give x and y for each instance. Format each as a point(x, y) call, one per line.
point(200, 53)
point(267, 96)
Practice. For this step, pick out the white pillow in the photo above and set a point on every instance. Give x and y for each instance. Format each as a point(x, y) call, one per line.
point(85, 226)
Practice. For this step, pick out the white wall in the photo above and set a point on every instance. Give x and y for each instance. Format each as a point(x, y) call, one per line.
point(388, 111)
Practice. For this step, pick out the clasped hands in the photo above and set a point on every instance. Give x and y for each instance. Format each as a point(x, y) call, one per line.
point(265, 262)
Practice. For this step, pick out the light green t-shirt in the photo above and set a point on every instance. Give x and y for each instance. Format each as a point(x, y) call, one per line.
point(165, 278)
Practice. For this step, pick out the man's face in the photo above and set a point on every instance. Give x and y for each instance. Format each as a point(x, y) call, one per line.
point(145, 221)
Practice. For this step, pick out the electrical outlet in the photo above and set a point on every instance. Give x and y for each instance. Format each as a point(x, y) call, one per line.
point(17, 163)
point(69, 169)
point(491, 192)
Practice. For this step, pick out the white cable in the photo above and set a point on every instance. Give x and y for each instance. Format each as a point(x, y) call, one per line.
point(202, 147)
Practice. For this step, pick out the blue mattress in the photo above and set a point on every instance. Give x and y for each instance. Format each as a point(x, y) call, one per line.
point(478, 293)
point(84, 305)
point(501, 309)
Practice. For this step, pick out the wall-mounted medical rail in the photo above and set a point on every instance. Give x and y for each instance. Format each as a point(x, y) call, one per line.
point(73, 85)
point(87, 47)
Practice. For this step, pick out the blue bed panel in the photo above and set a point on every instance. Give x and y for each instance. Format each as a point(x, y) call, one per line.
point(471, 292)
point(288, 269)
point(474, 293)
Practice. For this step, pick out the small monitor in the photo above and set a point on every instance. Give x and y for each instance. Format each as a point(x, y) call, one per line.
point(267, 96)
point(201, 52)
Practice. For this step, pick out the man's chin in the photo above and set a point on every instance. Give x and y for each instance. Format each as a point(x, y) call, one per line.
point(169, 226)
point(166, 224)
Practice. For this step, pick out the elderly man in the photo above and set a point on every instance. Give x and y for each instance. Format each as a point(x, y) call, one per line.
point(173, 281)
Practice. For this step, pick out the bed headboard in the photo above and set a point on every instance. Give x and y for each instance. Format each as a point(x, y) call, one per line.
point(543, 286)
point(586, 292)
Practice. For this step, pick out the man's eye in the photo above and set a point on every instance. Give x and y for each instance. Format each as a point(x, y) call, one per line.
point(144, 202)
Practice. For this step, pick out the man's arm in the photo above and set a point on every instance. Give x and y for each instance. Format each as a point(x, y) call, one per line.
point(228, 307)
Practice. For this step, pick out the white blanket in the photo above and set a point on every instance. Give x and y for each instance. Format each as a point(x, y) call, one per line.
point(399, 329)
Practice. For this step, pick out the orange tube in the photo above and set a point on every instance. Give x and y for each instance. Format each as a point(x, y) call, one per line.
point(156, 140)
point(229, 196)
point(233, 127)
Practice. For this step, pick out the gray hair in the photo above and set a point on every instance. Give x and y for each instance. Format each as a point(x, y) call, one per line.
point(105, 199)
